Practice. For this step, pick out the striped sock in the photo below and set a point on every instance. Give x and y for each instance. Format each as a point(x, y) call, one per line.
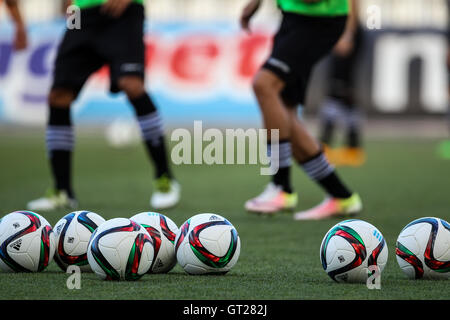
point(59, 138)
point(319, 169)
point(282, 177)
point(60, 142)
point(151, 128)
point(152, 132)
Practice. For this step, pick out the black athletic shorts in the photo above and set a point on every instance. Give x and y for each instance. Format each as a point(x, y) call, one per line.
point(102, 40)
point(342, 73)
point(298, 45)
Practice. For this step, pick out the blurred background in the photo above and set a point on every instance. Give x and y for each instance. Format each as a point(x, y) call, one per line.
point(200, 66)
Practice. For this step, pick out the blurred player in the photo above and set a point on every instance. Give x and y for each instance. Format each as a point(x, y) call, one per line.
point(111, 33)
point(309, 30)
point(20, 38)
point(340, 103)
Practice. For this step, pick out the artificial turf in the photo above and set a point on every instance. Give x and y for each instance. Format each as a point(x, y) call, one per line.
point(401, 181)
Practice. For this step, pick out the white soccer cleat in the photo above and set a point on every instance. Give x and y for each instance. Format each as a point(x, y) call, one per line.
point(53, 200)
point(167, 193)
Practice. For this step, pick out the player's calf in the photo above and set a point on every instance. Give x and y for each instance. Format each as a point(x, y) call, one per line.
point(167, 190)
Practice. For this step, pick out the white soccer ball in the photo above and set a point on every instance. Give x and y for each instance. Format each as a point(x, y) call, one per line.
point(122, 133)
point(162, 231)
point(423, 249)
point(207, 243)
point(73, 232)
point(27, 242)
point(120, 249)
point(353, 250)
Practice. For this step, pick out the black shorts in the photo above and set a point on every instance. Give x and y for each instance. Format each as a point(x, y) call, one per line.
point(342, 73)
point(298, 45)
point(102, 40)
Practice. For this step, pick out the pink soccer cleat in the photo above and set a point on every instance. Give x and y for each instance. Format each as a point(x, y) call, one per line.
point(272, 200)
point(332, 207)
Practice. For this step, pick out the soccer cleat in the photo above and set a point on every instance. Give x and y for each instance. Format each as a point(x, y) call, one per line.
point(53, 200)
point(332, 207)
point(167, 193)
point(272, 200)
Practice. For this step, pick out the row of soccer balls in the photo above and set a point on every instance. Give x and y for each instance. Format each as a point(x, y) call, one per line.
point(150, 242)
point(353, 250)
point(120, 248)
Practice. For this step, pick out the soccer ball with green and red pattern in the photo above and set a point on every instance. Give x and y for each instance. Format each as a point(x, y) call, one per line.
point(73, 232)
point(27, 242)
point(120, 249)
point(352, 251)
point(163, 231)
point(423, 249)
point(207, 243)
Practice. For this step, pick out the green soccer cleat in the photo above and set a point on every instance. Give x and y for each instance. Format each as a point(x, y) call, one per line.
point(53, 200)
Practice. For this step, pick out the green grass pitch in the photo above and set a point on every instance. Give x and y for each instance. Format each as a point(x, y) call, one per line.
point(402, 180)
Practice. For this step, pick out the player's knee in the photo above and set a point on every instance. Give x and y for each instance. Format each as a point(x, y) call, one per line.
point(133, 86)
point(266, 84)
point(61, 97)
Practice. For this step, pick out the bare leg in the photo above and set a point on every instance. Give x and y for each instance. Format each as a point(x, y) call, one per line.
point(304, 146)
point(267, 87)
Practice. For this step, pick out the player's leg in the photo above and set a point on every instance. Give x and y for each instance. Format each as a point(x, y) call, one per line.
point(309, 155)
point(328, 118)
point(278, 195)
point(59, 143)
point(307, 151)
point(60, 138)
point(343, 85)
point(74, 63)
point(353, 154)
point(167, 190)
point(124, 47)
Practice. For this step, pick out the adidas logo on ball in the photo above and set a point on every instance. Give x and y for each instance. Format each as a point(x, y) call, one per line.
point(16, 245)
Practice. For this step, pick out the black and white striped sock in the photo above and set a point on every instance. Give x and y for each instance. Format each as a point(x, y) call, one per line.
point(152, 132)
point(60, 141)
point(318, 167)
point(59, 137)
point(282, 177)
point(320, 170)
point(151, 128)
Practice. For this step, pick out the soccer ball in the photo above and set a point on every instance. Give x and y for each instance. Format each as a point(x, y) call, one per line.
point(73, 232)
point(120, 249)
point(122, 133)
point(351, 250)
point(163, 231)
point(207, 243)
point(423, 249)
point(27, 242)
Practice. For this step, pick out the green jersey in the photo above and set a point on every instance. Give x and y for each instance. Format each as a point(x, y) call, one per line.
point(319, 8)
point(92, 3)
